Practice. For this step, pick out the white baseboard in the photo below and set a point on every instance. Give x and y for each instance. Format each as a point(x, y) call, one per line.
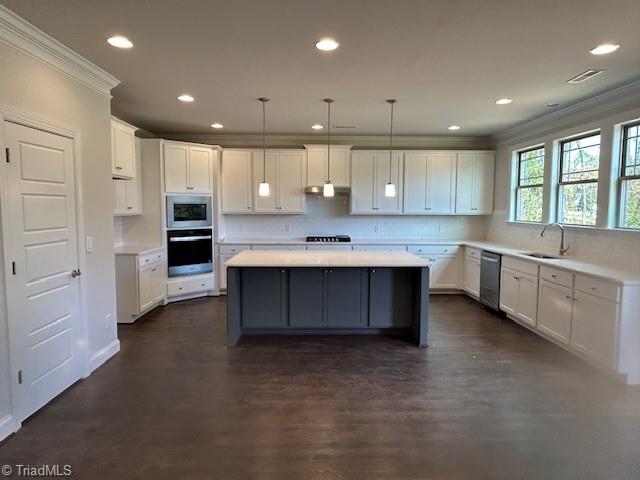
point(101, 356)
point(8, 425)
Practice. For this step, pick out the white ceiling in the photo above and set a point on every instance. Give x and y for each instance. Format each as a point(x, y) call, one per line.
point(446, 61)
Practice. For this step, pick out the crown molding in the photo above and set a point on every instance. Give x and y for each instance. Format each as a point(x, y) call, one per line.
point(626, 97)
point(21, 35)
point(408, 142)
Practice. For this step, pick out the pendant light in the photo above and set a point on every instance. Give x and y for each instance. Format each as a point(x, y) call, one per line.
point(263, 188)
point(390, 188)
point(328, 190)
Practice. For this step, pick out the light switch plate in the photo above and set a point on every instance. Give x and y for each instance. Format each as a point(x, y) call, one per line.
point(89, 246)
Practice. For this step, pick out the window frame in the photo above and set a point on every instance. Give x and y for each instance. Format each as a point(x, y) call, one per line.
point(622, 177)
point(519, 187)
point(561, 183)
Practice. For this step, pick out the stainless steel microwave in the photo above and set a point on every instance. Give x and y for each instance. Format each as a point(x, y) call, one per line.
point(188, 211)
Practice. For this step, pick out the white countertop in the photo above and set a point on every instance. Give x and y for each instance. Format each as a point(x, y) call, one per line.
point(136, 249)
point(287, 258)
point(354, 241)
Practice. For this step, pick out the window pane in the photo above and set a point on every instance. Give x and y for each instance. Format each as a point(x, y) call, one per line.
point(631, 204)
point(578, 203)
point(581, 164)
point(632, 153)
point(529, 204)
point(531, 169)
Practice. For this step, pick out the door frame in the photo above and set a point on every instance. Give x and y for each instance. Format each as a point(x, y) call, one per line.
point(35, 121)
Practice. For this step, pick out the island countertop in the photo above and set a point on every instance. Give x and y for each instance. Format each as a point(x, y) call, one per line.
point(277, 258)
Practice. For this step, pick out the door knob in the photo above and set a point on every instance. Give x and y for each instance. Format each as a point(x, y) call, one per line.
point(75, 273)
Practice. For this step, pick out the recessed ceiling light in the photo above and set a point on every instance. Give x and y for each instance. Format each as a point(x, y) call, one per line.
point(504, 101)
point(217, 125)
point(327, 44)
point(317, 126)
point(604, 49)
point(119, 41)
point(454, 127)
point(185, 97)
point(552, 104)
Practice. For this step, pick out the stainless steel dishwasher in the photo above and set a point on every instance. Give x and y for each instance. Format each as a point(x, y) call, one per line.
point(490, 279)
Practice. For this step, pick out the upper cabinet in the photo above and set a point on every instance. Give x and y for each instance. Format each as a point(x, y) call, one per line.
point(127, 192)
point(187, 168)
point(236, 181)
point(370, 172)
point(123, 149)
point(318, 166)
point(474, 191)
point(429, 183)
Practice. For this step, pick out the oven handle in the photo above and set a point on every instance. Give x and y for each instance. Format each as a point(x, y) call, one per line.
point(190, 239)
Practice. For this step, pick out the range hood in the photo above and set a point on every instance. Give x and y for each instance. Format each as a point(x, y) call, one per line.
point(317, 190)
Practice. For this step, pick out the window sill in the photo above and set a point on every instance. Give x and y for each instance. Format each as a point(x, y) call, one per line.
point(576, 227)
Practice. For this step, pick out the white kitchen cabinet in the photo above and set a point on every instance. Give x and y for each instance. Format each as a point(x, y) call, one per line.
point(187, 168)
point(123, 149)
point(127, 193)
point(236, 184)
point(429, 183)
point(593, 329)
point(474, 183)
point(519, 295)
point(227, 252)
point(369, 174)
point(285, 175)
point(472, 275)
point(443, 273)
point(555, 306)
point(151, 286)
point(317, 165)
point(140, 283)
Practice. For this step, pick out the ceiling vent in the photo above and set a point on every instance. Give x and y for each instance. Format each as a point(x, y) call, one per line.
point(584, 76)
point(344, 126)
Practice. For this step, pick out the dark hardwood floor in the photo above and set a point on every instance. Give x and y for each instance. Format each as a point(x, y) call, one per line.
point(486, 400)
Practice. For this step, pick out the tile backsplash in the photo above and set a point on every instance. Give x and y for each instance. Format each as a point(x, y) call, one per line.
point(330, 216)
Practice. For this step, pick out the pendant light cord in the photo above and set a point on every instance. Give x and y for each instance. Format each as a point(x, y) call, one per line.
point(328, 101)
point(391, 102)
point(264, 141)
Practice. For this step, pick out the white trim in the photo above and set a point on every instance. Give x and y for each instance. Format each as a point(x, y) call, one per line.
point(8, 425)
point(101, 356)
point(20, 34)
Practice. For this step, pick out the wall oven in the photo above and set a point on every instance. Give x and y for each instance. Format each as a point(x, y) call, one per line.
point(188, 211)
point(189, 252)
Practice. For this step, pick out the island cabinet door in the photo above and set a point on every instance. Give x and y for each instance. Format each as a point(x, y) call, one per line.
point(306, 297)
point(264, 298)
point(346, 297)
point(390, 304)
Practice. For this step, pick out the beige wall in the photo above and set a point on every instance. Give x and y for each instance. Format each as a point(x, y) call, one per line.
point(29, 85)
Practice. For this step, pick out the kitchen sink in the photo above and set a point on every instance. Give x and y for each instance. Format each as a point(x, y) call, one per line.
point(540, 255)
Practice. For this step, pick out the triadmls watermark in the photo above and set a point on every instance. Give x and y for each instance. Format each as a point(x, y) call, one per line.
point(35, 471)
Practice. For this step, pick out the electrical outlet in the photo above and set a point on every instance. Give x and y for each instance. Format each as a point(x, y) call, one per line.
point(108, 321)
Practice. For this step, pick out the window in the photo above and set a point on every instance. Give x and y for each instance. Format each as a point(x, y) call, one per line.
point(529, 186)
point(630, 178)
point(578, 185)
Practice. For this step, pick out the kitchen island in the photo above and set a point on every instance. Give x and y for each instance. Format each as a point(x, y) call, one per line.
point(323, 292)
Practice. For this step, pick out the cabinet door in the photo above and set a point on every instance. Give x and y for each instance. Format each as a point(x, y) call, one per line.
point(119, 196)
point(176, 159)
point(345, 288)
point(384, 204)
point(362, 182)
point(158, 283)
point(465, 183)
point(472, 276)
point(389, 303)
point(509, 288)
point(265, 204)
point(123, 153)
point(555, 304)
point(441, 183)
point(443, 272)
point(200, 177)
point(145, 289)
point(483, 183)
point(415, 183)
point(236, 182)
point(316, 167)
point(593, 331)
point(291, 182)
point(339, 173)
point(263, 305)
point(132, 196)
point(306, 297)
point(528, 298)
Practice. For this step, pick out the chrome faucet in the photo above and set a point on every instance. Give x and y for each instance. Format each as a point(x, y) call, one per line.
point(563, 249)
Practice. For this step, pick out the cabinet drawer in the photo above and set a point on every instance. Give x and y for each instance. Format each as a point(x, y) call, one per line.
point(472, 252)
point(189, 285)
point(278, 247)
point(233, 249)
point(555, 275)
point(329, 248)
point(151, 258)
point(518, 265)
point(433, 249)
point(599, 288)
point(380, 248)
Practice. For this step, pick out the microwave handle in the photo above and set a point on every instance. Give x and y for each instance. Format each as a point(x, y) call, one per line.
point(190, 239)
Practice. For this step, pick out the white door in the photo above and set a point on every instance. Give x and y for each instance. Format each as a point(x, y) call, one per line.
point(236, 182)
point(316, 167)
point(415, 183)
point(465, 183)
point(199, 170)
point(265, 204)
point(472, 276)
point(158, 282)
point(291, 182)
point(362, 182)
point(339, 167)
point(593, 330)
point(123, 151)
point(441, 183)
point(119, 196)
point(384, 204)
point(176, 159)
point(528, 298)
point(509, 287)
point(555, 305)
point(444, 271)
point(483, 183)
point(43, 296)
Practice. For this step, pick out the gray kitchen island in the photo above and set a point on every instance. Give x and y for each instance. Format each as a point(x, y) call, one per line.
point(324, 292)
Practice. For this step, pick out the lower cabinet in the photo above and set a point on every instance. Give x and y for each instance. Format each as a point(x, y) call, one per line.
point(151, 286)
point(444, 271)
point(519, 295)
point(593, 331)
point(389, 305)
point(555, 305)
point(472, 276)
point(266, 306)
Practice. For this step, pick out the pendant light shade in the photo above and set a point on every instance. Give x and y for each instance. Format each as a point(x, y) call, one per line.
point(263, 188)
point(390, 188)
point(328, 190)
